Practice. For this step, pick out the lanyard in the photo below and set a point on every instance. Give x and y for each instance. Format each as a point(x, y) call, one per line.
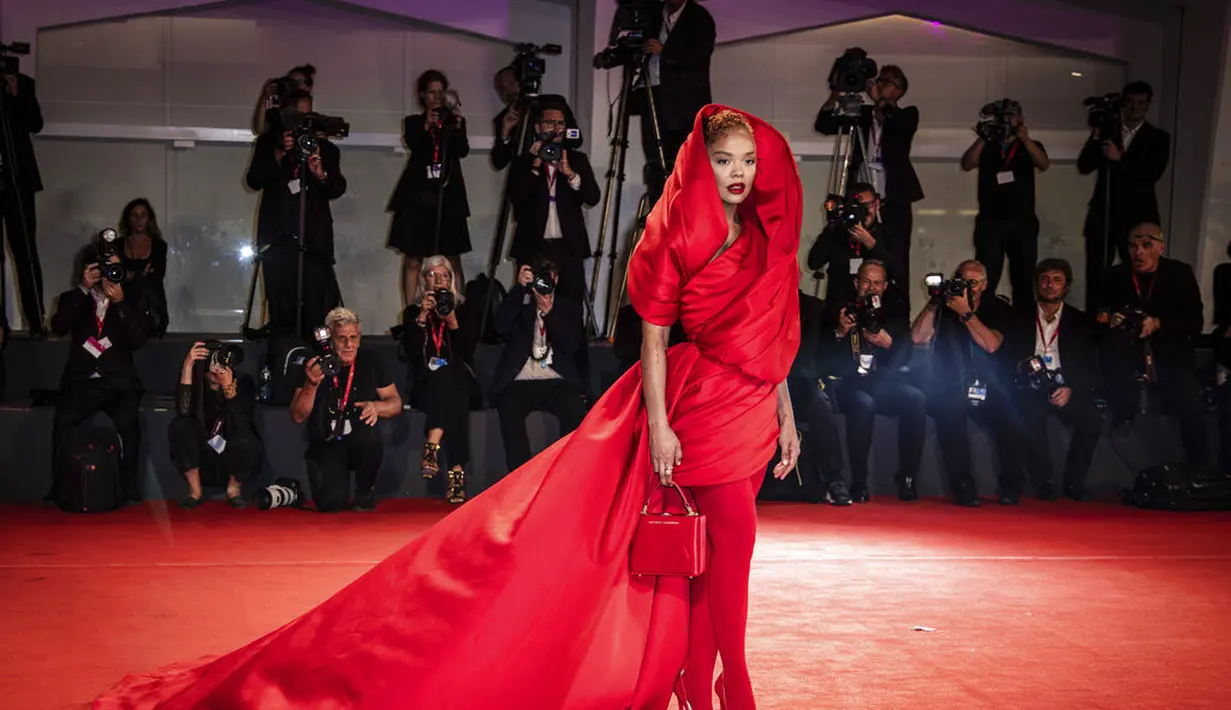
point(1047, 344)
point(551, 183)
point(350, 379)
point(874, 137)
point(438, 337)
point(1149, 294)
point(1008, 159)
point(100, 313)
point(436, 130)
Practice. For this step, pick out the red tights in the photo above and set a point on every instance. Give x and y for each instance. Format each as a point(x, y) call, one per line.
point(720, 596)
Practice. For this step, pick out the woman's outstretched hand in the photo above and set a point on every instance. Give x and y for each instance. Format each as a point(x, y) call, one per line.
point(664, 453)
point(788, 443)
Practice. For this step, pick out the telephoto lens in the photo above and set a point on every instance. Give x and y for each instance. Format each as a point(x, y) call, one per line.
point(284, 493)
point(224, 354)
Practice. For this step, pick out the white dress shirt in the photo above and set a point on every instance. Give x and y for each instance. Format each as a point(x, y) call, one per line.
point(1128, 134)
point(669, 20)
point(552, 230)
point(541, 368)
point(1047, 338)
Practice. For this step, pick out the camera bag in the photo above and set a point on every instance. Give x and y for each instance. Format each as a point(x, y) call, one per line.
point(1182, 487)
point(87, 474)
point(286, 356)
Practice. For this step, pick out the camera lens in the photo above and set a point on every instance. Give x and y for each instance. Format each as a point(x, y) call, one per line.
point(445, 302)
point(114, 273)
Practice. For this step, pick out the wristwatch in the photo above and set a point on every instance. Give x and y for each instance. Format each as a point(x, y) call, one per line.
point(968, 316)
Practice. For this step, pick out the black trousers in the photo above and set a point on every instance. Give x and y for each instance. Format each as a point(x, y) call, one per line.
point(812, 405)
point(241, 458)
point(519, 398)
point(1029, 427)
point(1017, 239)
point(447, 396)
point(22, 240)
point(331, 462)
point(81, 400)
point(673, 138)
point(861, 400)
point(951, 411)
point(1180, 392)
point(320, 289)
point(897, 228)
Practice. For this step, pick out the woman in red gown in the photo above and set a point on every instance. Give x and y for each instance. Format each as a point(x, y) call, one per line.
point(522, 599)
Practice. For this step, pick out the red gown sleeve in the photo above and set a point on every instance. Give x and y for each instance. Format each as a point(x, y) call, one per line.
point(656, 278)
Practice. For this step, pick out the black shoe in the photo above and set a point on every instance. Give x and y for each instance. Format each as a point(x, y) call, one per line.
point(365, 503)
point(1009, 499)
point(237, 502)
point(1077, 493)
point(39, 334)
point(838, 495)
point(188, 502)
point(1046, 491)
point(966, 495)
point(906, 490)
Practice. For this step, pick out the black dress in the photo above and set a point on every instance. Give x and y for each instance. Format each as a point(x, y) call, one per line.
point(414, 200)
point(151, 283)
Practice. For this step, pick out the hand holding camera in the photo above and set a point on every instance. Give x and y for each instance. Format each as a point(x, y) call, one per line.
point(113, 291)
point(314, 165)
point(315, 375)
point(91, 276)
point(10, 84)
point(524, 276)
point(846, 322)
point(958, 304)
point(511, 118)
point(861, 234)
point(652, 46)
point(197, 353)
point(879, 338)
point(1111, 151)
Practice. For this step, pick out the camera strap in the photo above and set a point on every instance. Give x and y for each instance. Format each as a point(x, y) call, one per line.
point(1008, 157)
point(438, 336)
point(1149, 294)
point(344, 398)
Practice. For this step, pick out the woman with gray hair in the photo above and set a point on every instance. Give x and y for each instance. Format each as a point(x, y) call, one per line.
point(439, 340)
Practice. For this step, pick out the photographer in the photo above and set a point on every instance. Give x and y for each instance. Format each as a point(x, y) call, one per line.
point(1006, 225)
point(342, 411)
point(274, 94)
point(144, 256)
point(1063, 339)
point(964, 330)
point(1156, 315)
point(213, 439)
point(542, 328)
point(106, 325)
point(429, 204)
point(548, 209)
point(504, 125)
point(440, 349)
point(1133, 160)
point(888, 132)
point(276, 171)
point(868, 340)
point(19, 180)
point(843, 249)
point(811, 401)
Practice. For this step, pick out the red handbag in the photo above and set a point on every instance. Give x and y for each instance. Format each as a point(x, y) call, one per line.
point(667, 545)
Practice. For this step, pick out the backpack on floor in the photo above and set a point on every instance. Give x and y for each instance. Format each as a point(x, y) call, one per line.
point(87, 475)
point(1180, 487)
point(286, 356)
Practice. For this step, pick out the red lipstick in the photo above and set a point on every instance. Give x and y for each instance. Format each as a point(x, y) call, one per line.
point(736, 188)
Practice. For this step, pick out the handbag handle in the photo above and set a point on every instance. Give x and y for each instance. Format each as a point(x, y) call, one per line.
point(645, 509)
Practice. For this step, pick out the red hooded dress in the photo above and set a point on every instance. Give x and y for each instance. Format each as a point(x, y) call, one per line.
point(522, 598)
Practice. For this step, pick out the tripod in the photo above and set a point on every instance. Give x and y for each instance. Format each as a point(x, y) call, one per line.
point(8, 164)
point(615, 188)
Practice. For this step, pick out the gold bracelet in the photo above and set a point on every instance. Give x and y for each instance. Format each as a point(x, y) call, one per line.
point(229, 391)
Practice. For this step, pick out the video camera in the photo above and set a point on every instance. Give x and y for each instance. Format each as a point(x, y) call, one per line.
point(530, 67)
point(1032, 373)
point(852, 71)
point(309, 127)
point(1104, 115)
point(224, 354)
point(867, 312)
point(10, 64)
point(942, 289)
point(109, 248)
point(846, 213)
point(995, 123)
point(326, 358)
point(633, 22)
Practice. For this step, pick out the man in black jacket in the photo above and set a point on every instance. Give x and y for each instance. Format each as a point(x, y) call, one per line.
point(1156, 317)
point(505, 124)
point(19, 180)
point(543, 332)
point(887, 132)
point(548, 194)
point(106, 326)
point(1132, 163)
point(842, 251)
point(867, 342)
point(820, 475)
point(213, 439)
point(276, 171)
point(1062, 338)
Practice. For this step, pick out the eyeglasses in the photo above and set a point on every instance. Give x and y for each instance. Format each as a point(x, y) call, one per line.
point(886, 81)
point(551, 123)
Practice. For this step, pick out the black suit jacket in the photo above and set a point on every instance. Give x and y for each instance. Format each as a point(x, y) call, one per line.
point(414, 189)
point(278, 217)
point(124, 324)
point(1077, 342)
point(515, 323)
point(1132, 180)
point(684, 79)
point(26, 119)
point(1174, 298)
point(528, 193)
point(901, 182)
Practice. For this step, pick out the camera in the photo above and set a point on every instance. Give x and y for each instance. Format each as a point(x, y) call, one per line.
point(10, 64)
point(445, 302)
point(224, 354)
point(1032, 373)
point(995, 123)
point(1103, 115)
point(867, 313)
point(284, 493)
point(551, 150)
point(327, 358)
point(1134, 320)
point(943, 289)
point(309, 127)
point(633, 22)
point(530, 67)
point(108, 249)
point(852, 71)
point(846, 213)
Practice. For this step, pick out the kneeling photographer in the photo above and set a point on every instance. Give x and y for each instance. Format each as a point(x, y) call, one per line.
point(213, 439)
point(543, 331)
point(1154, 309)
point(344, 393)
point(869, 339)
point(851, 237)
point(965, 331)
point(1054, 352)
point(440, 348)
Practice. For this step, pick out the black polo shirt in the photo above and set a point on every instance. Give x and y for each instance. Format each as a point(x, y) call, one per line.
point(999, 197)
point(369, 375)
point(957, 354)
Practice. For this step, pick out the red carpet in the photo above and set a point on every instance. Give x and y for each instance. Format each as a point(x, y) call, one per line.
point(1043, 606)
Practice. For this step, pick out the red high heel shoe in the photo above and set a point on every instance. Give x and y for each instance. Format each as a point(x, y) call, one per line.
point(681, 695)
point(721, 691)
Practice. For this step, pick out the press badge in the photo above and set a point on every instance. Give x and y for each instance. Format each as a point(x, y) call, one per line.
point(1047, 360)
point(433, 171)
point(293, 186)
point(866, 362)
point(977, 393)
point(856, 262)
point(436, 363)
point(217, 443)
point(96, 347)
point(1004, 178)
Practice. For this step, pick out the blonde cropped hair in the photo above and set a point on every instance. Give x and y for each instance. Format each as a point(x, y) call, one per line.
point(719, 125)
point(339, 317)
